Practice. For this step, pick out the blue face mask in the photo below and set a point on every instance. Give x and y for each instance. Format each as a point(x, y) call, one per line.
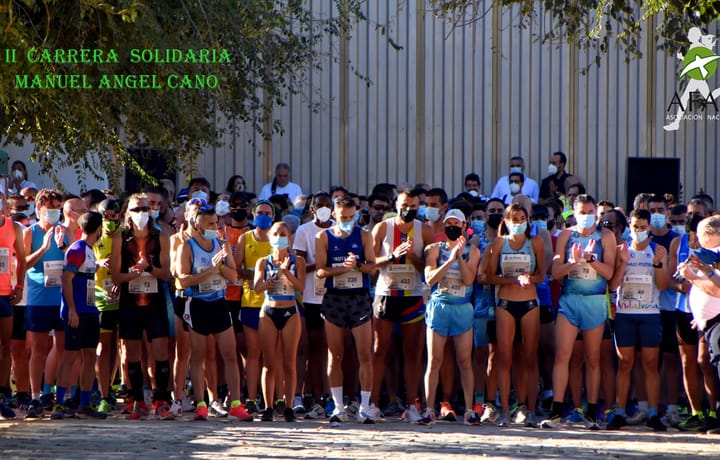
point(585, 221)
point(281, 242)
point(421, 212)
point(515, 169)
point(540, 224)
point(626, 234)
point(517, 229)
point(478, 226)
point(200, 194)
point(210, 234)
point(263, 222)
point(347, 227)
point(657, 220)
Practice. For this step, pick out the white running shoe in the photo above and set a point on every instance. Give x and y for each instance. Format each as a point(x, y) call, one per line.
point(217, 409)
point(490, 413)
point(363, 416)
point(374, 412)
point(187, 405)
point(315, 412)
point(411, 414)
point(638, 417)
point(176, 409)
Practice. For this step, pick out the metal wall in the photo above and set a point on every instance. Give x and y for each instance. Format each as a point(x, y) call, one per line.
point(460, 100)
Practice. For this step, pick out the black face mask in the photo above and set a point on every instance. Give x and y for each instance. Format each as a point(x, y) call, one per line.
point(407, 215)
point(692, 222)
point(453, 232)
point(238, 214)
point(494, 220)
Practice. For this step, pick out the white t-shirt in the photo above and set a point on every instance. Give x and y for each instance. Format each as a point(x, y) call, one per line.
point(704, 307)
point(305, 241)
point(292, 190)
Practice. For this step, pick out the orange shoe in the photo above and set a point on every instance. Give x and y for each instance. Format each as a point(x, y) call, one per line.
point(201, 412)
point(140, 411)
point(478, 408)
point(162, 410)
point(446, 412)
point(238, 412)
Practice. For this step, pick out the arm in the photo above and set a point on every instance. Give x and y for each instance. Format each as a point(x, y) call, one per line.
point(606, 266)
point(243, 273)
point(321, 269)
point(378, 236)
point(298, 281)
point(67, 292)
point(227, 264)
point(20, 269)
point(662, 278)
point(621, 260)
point(469, 269)
point(561, 267)
point(432, 272)
point(259, 282)
point(547, 249)
point(539, 249)
point(681, 287)
point(163, 271)
point(116, 264)
point(31, 258)
point(369, 266)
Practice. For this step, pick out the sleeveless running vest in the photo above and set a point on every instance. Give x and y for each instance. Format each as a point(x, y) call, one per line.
point(7, 254)
point(354, 281)
point(254, 250)
point(213, 288)
point(282, 289)
point(583, 279)
point(450, 288)
point(400, 278)
point(638, 293)
point(45, 277)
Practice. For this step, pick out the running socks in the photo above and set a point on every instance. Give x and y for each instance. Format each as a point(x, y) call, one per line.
point(162, 377)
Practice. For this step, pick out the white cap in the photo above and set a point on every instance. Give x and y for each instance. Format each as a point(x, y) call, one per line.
point(454, 214)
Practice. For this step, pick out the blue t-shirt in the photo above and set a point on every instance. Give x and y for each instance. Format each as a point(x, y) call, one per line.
point(80, 260)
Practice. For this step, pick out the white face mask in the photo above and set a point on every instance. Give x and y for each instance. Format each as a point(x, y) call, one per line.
point(52, 216)
point(200, 194)
point(432, 214)
point(140, 219)
point(514, 188)
point(679, 229)
point(18, 174)
point(639, 237)
point(323, 214)
point(155, 213)
point(222, 208)
point(552, 169)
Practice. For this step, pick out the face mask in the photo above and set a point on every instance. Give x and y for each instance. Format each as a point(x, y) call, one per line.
point(453, 232)
point(515, 169)
point(323, 214)
point(140, 219)
point(109, 226)
point(585, 221)
point(657, 220)
point(422, 212)
point(626, 234)
point(263, 222)
point(517, 229)
point(473, 192)
point(514, 188)
point(222, 208)
point(552, 169)
point(407, 215)
point(639, 237)
point(541, 224)
point(31, 210)
point(494, 220)
point(347, 227)
point(199, 194)
point(52, 216)
point(155, 213)
point(692, 222)
point(478, 226)
point(210, 234)
point(432, 214)
point(18, 174)
point(281, 242)
point(238, 215)
point(679, 229)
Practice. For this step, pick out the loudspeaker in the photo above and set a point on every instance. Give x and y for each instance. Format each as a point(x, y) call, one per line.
point(652, 175)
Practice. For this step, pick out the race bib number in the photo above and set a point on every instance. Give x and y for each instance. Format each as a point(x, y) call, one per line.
point(4, 260)
point(90, 296)
point(319, 285)
point(451, 284)
point(399, 277)
point(582, 272)
point(52, 273)
point(212, 284)
point(107, 285)
point(281, 287)
point(350, 280)
point(146, 284)
point(514, 265)
point(637, 287)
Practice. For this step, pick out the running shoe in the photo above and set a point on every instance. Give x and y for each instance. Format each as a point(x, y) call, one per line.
point(711, 425)
point(693, 423)
point(471, 418)
point(201, 412)
point(428, 417)
point(58, 412)
point(162, 410)
point(308, 401)
point(393, 409)
point(673, 419)
point(5, 411)
point(267, 415)
point(576, 416)
point(298, 406)
point(655, 423)
point(552, 423)
point(217, 409)
point(329, 407)
point(105, 407)
point(489, 414)
point(176, 408)
point(148, 396)
point(187, 404)
point(338, 417)
point(239, 413)
point(503, 420)
point(530, 420)
point(374, 412)
point(641, 415)
point(478, 408)
point(315, 412)
point(122, 392)
point(279, 409)
point(590, 423)
point(47, 401)
point(289, 414)
point(352, 409)
point(89, 412)
point(251, 406)
point(412, 413)
point(446, 412)
point(617, 422)
point(140, 411)
point(24, 402)
point(363, 416)
point(129, 405)
point(34, 409)
point(520, 415)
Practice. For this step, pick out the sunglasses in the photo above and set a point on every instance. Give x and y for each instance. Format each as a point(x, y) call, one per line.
point(140, 209)
point(607, 224)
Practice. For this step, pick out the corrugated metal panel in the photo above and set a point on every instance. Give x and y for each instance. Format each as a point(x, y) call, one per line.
point(537, 94)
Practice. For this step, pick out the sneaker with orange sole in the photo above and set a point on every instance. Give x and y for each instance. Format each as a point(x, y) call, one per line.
point(140, 411)
point(162, 410)
point(446, 412)
point(201, 412)
point(238, 412)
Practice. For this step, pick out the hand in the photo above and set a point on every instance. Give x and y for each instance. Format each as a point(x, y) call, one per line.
point(115, 292)
point(524, 280)
point(106, 263)
point(699, 265)
point(219, 258)
point(48, 238)
point(286, 263)
point(687, 272)
point(73, 319)
point(350, 261)
point(576, 252)
point(16, 297)
point(59, 235)
point(482, 277)
point(623, 253)
point(660, 254)
point(590, 248)
point(685, 287)
point(457, 250)
point(402, 249)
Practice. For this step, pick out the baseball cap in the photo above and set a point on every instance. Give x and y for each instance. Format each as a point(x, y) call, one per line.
point(454, 214)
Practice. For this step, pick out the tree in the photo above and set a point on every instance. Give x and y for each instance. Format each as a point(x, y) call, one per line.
point(256, 55)
point(594, 23)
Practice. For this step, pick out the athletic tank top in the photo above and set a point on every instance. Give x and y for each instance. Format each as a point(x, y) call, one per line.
point(103, 282)
point(400, 278)
point(450, 288)
point(147, 290)
point(234, 291)
point(354, 281)
point(583, 279)
point(282, 289)
point(7, 254)
point(638, 293)
point(45, 277)
point(254, 250)
point(213, 288)
point(513, 263)
point(683, 252)
point(483, 294)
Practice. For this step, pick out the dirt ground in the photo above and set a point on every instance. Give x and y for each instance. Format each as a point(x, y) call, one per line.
point(116, 438)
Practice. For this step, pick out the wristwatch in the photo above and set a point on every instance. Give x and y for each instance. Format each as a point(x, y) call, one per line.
point(660, 265)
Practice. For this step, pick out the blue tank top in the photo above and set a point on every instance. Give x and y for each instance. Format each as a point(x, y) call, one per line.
point(282, 289)
point(483, 294)
point(683, 252)
point(213, 288)
point(450, 288)
point(352, 282)
point(583, 279)
point(45, 277)
point(512, 263)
